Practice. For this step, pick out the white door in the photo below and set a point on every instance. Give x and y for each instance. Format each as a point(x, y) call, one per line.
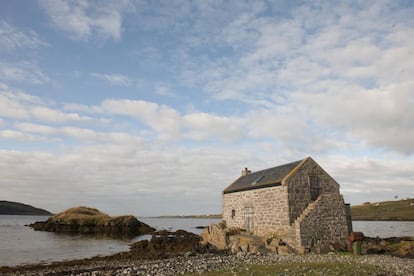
point(248, 219)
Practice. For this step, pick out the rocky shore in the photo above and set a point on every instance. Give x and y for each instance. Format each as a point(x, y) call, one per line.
point(182, 265)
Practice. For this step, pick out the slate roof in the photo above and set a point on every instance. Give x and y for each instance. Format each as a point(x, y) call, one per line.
point(261, 179)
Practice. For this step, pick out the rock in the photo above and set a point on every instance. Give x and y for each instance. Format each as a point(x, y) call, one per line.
point(216, 235)
point(85, 220)
point(339, 247)
point(283, 250)
point(356, 236)
point(398, 247)
point(189, 254)
point(200, 227)
point(251, 243)
point(244, 248)
point(272, 244)
point(165, 244)
point(235, 240)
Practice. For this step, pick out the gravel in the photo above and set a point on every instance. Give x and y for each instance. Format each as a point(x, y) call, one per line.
point(214, 262)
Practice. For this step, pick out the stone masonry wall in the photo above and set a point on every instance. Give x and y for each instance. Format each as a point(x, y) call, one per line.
point(270, 210)
point(299, 187)
point(324, 223)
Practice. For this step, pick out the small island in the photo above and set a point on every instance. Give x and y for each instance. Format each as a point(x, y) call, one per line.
point(86, 220)
point(15, 208)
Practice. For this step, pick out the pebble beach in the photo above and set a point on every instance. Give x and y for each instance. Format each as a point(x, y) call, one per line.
point(197, 264)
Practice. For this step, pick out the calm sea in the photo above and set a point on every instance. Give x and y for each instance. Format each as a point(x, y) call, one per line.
point(22, 245)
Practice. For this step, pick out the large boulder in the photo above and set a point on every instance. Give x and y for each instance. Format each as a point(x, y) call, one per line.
point(85, 220)
point(233, 240)
point(216, 235)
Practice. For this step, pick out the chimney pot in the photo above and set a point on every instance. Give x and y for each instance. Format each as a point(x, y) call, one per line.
point(245, 172)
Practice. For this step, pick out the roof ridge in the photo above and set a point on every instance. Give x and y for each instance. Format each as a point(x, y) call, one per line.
point(286, 164)
point(262, 178)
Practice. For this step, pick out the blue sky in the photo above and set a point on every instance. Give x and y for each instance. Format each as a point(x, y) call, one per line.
point(154, 107)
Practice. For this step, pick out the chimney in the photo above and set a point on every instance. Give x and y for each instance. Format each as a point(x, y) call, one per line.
point(245, 172)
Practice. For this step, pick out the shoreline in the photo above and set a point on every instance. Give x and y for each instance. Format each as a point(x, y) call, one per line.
point(206, 263)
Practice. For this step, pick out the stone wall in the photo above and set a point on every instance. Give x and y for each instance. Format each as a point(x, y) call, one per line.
point(322, 224)
point(269, 205)
point(299, 187)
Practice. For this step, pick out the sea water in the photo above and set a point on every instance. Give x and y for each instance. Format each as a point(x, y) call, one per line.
point(22, 245)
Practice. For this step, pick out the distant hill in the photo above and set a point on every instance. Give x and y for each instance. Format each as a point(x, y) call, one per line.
point(15, 208)
point(386, 210)
point(212, 216)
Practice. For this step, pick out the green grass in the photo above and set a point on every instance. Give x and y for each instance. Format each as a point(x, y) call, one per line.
point(82, 216)
point(300, 269)
point(89, 216)
point(387, 210)
point(212, 216)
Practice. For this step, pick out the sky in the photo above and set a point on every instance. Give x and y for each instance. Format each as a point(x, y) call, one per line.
point(154, 107)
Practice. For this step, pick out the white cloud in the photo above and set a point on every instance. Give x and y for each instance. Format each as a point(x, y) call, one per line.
point(75, 107)
point(268, 83)
point(3, 86)
point(82, 134)
point(17, 135)
point(163, 119)
point(202, 126)
point(19, 105)
point(23, 72)
point(325, 67)
point(86, 19)
point(51, 115)
point(122, 178)
point(12, 106)
point(13, 39)
point(113, 79)
point(161, 179)
point(384, 178)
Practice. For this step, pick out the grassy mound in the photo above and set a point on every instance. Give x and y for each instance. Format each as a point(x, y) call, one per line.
point(387, 210)
point(81, 215)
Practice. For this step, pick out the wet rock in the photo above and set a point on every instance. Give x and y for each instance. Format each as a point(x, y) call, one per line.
point(164, 244)
point(400, 247)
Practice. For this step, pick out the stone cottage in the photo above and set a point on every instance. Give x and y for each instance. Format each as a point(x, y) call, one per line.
point(298, 202)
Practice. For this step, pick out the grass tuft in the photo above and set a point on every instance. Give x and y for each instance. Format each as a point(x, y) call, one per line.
point(295, 268)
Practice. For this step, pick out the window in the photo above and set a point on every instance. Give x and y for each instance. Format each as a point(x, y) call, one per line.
point(314, 187)
point(233, 213)
point(257, 180)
